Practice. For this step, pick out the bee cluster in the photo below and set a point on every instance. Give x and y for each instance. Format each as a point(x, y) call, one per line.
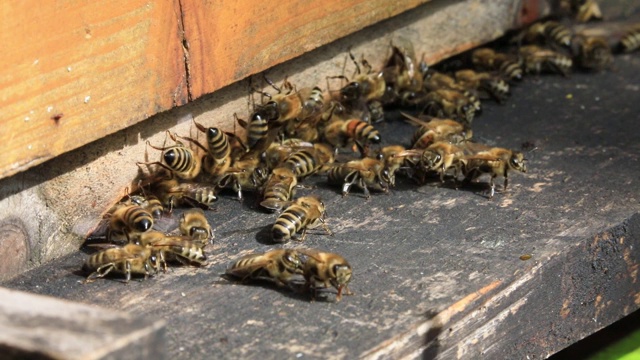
point(294, 134)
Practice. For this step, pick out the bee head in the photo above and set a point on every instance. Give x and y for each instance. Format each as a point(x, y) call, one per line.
point(517, 162)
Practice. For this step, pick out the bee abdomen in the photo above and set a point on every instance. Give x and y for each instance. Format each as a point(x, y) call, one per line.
point(218, 144)
point(179, 159)
point(288, 224)
point(257, 129)
point(301, 163)
point(362, 132)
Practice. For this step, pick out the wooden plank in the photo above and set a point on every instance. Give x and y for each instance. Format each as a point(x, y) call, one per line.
point(437, 270)
point(42, 327)
point(75, 72)
point(107, 65)
point(230, 41)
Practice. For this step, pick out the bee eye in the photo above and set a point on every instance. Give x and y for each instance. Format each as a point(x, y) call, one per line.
point(438, 157)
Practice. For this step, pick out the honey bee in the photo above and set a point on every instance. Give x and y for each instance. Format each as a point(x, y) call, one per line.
point(178, 159)
point(257, 128)
point(126, 260)
point(494, 161)
point(435, 81)
point(150, 203)
point(326, 269)
point(537, 59)
point(307, 212)
point(550, 32)
point(248, 173)
point(173, 249)
point(392, 162)
point(507, 66)
point(439, 157)
point(491, 84)
point(402, 72)
point(194, 224)
point(309, 161)
point(313, 103)
point(127, 220)
point(367, 173)
point(436, 129)
point(585, 10)
point(276, 154)
point(218, 157)
point(593, 52)
point(279, 188)
point(447, 103)
point(278, 265)
point(172, 193)
point(284, 106)
point(630, 41)
point(342, 133)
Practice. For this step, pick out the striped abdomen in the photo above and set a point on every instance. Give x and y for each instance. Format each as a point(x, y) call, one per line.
point(361, 132)
point(290, 222)
point(182, 161)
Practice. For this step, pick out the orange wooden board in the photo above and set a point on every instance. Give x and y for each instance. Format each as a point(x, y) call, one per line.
point(76, 72)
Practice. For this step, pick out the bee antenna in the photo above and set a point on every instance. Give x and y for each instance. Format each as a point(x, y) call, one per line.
point(353, 58)
point(272, 84)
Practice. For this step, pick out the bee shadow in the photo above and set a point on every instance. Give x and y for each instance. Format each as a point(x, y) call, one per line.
point(294, 291)
point(264, 237)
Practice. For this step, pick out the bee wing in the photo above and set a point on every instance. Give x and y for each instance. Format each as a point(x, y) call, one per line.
point(486, 157)
point(410, 152)
point(246, 270)
point(312, 253)
point(276, 205)
point(423, 120)
point(166, 223)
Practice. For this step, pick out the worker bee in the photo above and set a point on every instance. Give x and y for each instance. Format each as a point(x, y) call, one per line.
point(495, 161)
point(550, 33)
point(247, 173)
point(585, 10)
point(279, 188)
point(486, 59)
point(194, 224)
point(150, 203)
point(592, 52)
point(326, 269)
point(218, 151)
point(392, 162)
point(126, 220)
point(173, 249)
point(282, 107)
point(367, 173)
point(439, 157)
point(278, 266)
point(313, 102)
point(172, 193)
point(304, 213)
point(126, 260)
point(630, 41)
point(309, 161)
point(402, 72)
point(276, 154)
point(342, 133)
point(434, 129)
point(491, 84)
point(447, 103)
point(434, 81)
point(178, 159)
point(536, 60)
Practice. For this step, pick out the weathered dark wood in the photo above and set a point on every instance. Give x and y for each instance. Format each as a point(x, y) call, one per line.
point(41, 327)
point(437, 270)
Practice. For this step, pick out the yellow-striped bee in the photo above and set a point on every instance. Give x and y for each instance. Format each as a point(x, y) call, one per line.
point(433, 129)
point(180, 160)
point(128, 220)
point(489, 83)
point(537, 59)
point(309, 161)
point(194, 224)
point(434, 81)
point(172, 193)
point(593, 52)
point(126, 260)
point(325, 269)
point(342, 133)
point(486, 59)
point(279, 188)
point(439, 157)
point(482, 159)
point(630, 41)
point(304, 213)
point(367, 173)
point(247, 173)
point(277, 265)
point(549, 32)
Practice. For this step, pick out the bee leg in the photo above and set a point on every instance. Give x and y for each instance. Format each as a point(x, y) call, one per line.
point(493, 187)
point(442, 171)
point(99, 273)
point(127, 271)
point(302, 236)
point(326, 228)
point(506, 182)
point(347, 186)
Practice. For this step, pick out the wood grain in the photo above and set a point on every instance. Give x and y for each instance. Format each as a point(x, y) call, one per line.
point(73, 73)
